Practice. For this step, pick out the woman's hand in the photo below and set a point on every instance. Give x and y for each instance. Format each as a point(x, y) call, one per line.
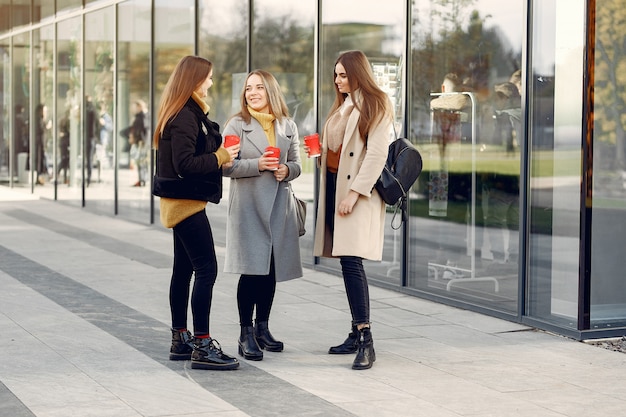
point(233, 151)
point(281, 173)
point(347, 204)
point(267, 162)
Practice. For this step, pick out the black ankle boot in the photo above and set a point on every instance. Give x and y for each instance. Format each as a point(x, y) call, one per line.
point(248, 346)
point(365, 355)
point(207, 354)
point(348, 346)
point(182, 345)
point(265, 339)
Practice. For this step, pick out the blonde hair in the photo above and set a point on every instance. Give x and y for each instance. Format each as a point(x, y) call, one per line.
point(375, 104)
point(275, 98)
point(190, 72)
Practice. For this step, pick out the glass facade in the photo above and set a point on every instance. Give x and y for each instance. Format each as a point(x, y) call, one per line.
point(516, 108)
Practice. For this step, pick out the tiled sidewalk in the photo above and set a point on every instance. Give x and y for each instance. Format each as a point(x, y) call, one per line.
point(85, 332)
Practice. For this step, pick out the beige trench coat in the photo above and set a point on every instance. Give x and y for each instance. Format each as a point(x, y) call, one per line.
point(360, 233)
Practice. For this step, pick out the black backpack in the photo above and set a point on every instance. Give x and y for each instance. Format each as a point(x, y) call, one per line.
point(403, 166)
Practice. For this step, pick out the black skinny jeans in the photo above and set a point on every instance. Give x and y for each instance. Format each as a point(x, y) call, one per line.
point(354, 278)
point(256, 290)
point(194, 250)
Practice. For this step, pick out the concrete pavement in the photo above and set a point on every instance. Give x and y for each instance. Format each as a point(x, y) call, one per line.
point(85, 332)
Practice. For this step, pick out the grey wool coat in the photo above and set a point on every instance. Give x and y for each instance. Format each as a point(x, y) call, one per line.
point(261, 211)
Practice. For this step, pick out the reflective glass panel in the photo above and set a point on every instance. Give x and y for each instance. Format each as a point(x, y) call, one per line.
point(20, 13)
point(23, 131)
point(555, 160)
point(132, 113)
point(378, 32)
point(608, 234)
point(282, 43)
point(8, 167)
point(70, 104)
point(465, 118)
point(43, 97)
point(97, 147)
point(42, 10)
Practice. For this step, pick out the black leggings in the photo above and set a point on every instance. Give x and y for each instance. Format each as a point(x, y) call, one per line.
point(256, 290)
point(194, 250)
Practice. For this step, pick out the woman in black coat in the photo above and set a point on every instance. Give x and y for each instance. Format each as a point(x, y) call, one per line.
point(189, 175)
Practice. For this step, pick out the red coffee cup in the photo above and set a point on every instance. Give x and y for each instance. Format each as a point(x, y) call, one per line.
point(275, 154)
point(313, 143)
point(230, 140)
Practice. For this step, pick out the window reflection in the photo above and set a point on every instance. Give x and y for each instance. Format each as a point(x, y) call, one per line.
point(97, 146)
point(465, 109)
point(555, 161)
point(69, 106)
point(608, 288)
point(377, 32)
point(133, 96)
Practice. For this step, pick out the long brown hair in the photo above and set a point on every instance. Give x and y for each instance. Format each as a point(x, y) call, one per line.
point(275, 98)
point(189, 74)
point(375, 104)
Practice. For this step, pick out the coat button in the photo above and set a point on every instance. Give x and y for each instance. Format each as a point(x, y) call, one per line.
point(348, 176)
point(351, 153)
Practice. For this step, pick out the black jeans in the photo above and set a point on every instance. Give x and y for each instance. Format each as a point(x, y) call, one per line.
point(256, 290)
point(194, 250)
point(354, 278)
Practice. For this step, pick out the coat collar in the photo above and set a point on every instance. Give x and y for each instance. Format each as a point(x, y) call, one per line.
point(257, 137)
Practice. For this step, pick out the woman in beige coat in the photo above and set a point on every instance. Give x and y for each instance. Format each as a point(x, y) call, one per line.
point(351, 214)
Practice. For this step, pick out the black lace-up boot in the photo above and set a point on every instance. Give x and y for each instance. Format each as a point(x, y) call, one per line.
point(207, 354)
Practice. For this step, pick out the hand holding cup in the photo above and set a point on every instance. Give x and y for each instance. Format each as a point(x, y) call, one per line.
point(312, 145)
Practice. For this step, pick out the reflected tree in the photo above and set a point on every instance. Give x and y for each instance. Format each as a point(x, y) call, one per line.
point(610, 84)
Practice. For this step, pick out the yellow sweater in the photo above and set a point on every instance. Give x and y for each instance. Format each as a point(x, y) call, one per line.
point(175, 210)
point(267, 123)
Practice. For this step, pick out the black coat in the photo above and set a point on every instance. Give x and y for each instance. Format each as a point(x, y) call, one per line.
point(186, 163)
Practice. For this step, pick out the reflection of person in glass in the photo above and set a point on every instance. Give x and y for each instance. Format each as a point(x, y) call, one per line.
point(137, 133)
point(188, 175)
point(262, 232)
point(64, 146)
point(351, 214)
point(42, 126)
point(20, 132)
point(91, 129)
point(502, 189)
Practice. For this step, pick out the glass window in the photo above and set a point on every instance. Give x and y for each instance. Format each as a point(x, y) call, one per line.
point(69, 107)
point(42, 10)
point(8, 162)
point(132, 113)
point(223, 41)
point(43, 100)
point(5, 15)
point(465, 118)
point(608, 234)
point(555, 160)
point(67, 5)
point(20, 13)
point(97, 146)
point(378, 32)
point(283, 44)
point(23, 131)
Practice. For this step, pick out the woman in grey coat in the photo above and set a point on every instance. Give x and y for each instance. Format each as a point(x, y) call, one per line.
point(262, 232)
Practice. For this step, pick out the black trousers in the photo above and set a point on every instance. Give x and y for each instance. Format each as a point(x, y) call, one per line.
point(194, 251)
point(354, 278)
